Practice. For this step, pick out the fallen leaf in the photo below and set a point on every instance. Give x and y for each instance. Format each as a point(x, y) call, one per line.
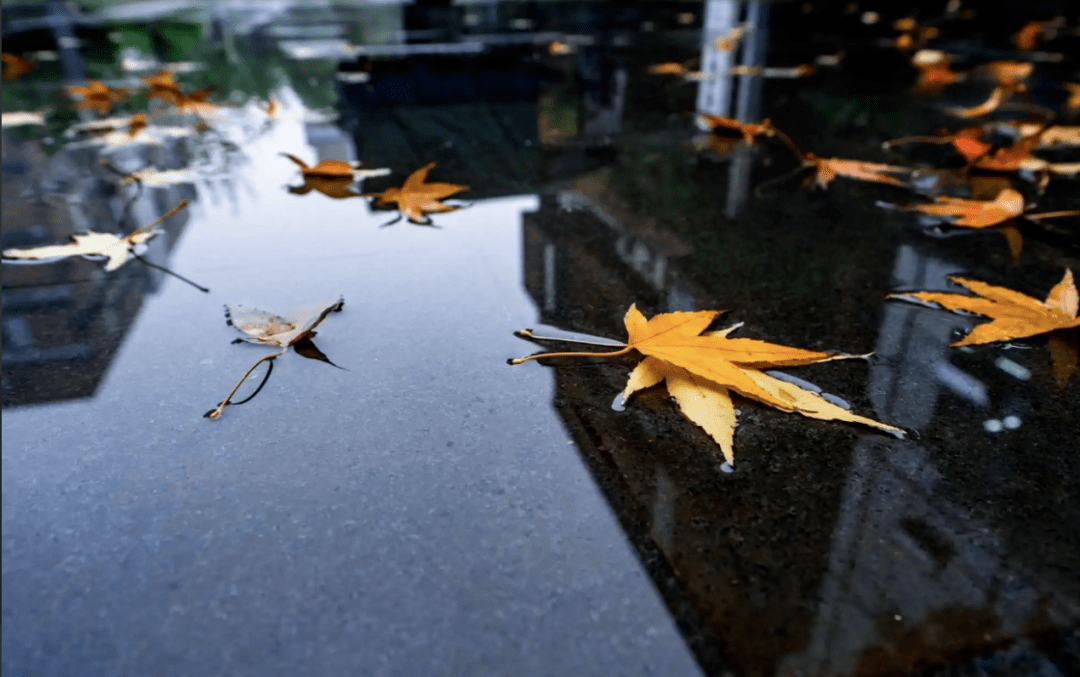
point(1049, 137)
point(1013, 315)
point(1073, 102)
point(1009, 74)
point(161, 85)
point(701, 369)
point(416, 198)
point(974, 213)
point(935, 72)
point(1027, 38)
point(195, 101)
point(23, 117)
point(728, 41)
point(295, 330)
point(997, 97)
point(15, 66)
point(333, 178)
point(749, 130)
point(827, 169)
point(669, 68)
point(96, 95)
point(113, 248)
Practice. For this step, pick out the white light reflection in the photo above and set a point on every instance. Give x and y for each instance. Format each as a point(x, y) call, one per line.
point(1013, 369)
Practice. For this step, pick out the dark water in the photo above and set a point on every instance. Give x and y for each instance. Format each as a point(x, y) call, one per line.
point(428, 509)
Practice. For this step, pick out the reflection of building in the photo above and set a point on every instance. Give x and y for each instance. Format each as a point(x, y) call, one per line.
point(828, 551)
point(915, 581)
point(69, 311)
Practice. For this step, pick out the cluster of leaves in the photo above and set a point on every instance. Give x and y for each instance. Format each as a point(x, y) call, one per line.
point(700, 369)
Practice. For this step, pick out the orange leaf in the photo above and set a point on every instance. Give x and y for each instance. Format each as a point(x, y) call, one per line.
point(416, 198)
point(974, 213)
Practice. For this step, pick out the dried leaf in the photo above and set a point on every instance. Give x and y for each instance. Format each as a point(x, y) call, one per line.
point(1073, 102)
point(748, 130)
point(162, 86)
point(15, 66)
point(295, 329)
point(1014, 315)
point(416, 198)
point(333, 178)
point(1027, 38)
point(997, 97)
point(23, 117)
point(729, 40)
point(1010, 74)
point(113, 248)
point(974, 213)
point(700, 369)
point(827, 169)
point(96, 95)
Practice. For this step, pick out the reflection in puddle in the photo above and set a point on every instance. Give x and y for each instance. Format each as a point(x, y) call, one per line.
point(831, 551)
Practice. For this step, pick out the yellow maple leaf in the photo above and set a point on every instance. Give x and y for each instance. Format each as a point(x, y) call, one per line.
point(1013, 315)
point(701, 369)
point(416, 198)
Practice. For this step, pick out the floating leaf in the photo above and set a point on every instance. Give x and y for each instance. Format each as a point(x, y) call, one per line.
point(974, 213)
point(96, 95)
point(701, 369)
point(827, 169)
point(333, 178)
point(748, 130)
point(294, 330)
point(416, 198)
point(1014, 315)
point(113, 248)
point(15, 66)
point(22, 117)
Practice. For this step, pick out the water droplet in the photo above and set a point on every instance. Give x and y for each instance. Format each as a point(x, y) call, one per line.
point(1011, 422)
point(726, 468)
point(617, 403)
point(992, 425)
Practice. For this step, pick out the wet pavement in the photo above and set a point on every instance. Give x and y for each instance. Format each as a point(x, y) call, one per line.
point(427, 509)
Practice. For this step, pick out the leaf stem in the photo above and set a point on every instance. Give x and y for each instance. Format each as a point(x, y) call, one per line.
point(916, 139)
point(624, 351)
point(1052, 215)
point(527, 334)
point(176, 275)
point(214, 413)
